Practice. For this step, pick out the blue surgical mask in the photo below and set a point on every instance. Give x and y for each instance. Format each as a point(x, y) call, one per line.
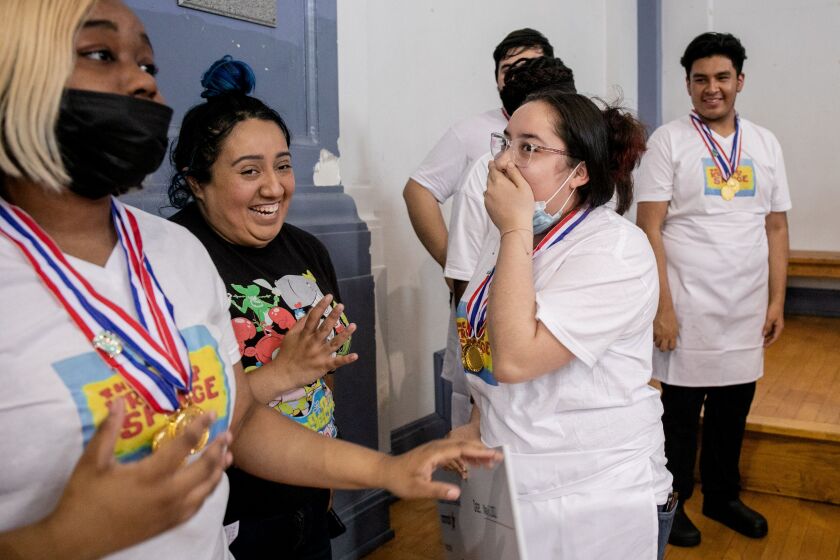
point(542, 220)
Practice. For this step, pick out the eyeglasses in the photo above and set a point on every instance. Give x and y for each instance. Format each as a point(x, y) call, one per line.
point(522, 150)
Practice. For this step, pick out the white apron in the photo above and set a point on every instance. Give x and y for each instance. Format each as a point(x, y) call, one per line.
point(589, 504)
point(716, 250)
point(717, 272)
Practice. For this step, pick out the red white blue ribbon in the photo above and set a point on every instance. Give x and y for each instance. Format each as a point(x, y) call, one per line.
point(149, 353)
point(726, 166)
point(477, 303)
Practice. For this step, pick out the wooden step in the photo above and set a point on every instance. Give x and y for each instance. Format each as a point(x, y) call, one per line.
point(792, 458)
point(814, 264)
point(792, 443)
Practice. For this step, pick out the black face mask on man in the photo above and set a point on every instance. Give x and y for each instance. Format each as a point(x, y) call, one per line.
point(110, 142)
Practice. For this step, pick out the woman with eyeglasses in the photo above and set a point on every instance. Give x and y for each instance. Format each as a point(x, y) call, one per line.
point(555, 330)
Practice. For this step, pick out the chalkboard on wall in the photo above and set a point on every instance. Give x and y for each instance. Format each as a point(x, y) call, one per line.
point(263, 12)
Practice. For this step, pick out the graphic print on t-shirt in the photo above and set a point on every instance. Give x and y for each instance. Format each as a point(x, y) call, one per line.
point(263, 313)
point(486, 373)
point(713, 180)
point(94, 385)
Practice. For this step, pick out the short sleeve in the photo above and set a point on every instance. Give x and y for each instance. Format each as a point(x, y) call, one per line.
point(219, 317)
point(780, 201)
point(593, 300)
point(441, 171)
point(469, 224)
point(654, 180)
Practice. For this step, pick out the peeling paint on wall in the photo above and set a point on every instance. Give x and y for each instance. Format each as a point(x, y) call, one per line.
point(327, 171)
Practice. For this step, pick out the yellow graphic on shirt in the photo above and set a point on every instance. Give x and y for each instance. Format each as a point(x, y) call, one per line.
point(744, 174)
point(94, 386)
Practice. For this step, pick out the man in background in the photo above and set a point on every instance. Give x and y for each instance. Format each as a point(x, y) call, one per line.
point(713, 197)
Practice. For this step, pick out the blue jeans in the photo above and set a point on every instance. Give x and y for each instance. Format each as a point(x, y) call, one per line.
point(666, 518)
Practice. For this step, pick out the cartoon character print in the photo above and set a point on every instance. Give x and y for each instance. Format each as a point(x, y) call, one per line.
point(260, 332)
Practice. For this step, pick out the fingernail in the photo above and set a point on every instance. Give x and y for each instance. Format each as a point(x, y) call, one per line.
point(451, 494)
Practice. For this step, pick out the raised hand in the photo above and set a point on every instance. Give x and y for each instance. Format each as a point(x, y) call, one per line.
point(307, 353)
point(107, 506)
point(410, 475)
point(509, 199)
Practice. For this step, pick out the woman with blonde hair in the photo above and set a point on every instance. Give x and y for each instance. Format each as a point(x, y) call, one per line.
point(122, 382)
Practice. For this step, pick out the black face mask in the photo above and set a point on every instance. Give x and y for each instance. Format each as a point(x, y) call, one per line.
point(110, 142)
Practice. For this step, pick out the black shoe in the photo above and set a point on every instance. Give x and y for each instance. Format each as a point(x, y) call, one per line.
point(683, 531)
point(737, 516)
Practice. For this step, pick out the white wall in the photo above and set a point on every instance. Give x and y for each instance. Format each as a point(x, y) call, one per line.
point(407, 70)
point(792, 85)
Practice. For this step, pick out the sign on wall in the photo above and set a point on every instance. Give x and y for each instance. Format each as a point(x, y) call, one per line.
point(263, 12)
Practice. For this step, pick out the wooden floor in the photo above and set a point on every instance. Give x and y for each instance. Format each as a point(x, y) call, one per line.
point(799, 396)
point(801, 379)
point(799, 530)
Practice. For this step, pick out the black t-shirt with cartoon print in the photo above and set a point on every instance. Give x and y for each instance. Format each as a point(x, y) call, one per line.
point(269, 289)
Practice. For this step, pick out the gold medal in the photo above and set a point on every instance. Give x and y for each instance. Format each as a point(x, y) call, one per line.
point(472, 357)
point(730, 189)
point(176, 425)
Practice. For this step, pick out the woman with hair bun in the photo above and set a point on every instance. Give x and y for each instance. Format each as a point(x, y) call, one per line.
point(555, 331)
point(234, 184)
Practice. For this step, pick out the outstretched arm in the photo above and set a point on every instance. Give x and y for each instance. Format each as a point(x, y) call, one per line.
point(650, 217)
point(273, 447)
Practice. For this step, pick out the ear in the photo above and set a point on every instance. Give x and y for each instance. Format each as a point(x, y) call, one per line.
point(195, 188)
point(739, 83)
point(688, 86)
point(580, 176)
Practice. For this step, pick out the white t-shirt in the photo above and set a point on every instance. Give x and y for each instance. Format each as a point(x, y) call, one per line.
point(716, 249)
point(56, 388)
point(463, 143)
point(469, 224)
point(597, 292)
point(586, 441)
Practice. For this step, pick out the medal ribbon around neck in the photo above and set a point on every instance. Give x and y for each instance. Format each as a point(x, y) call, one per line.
point(727, 167)
point(151, 355)
point(477, 304)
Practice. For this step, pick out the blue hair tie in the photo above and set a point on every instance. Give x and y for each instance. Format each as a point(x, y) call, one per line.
point(227, 75)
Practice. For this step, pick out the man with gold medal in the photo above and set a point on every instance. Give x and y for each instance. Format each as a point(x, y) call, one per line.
point(713, 196)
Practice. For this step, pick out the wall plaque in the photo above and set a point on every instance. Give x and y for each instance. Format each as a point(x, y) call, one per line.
point(263, 12)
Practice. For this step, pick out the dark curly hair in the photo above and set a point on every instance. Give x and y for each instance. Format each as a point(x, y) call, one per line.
point(610, 140)
point(205, 127)
point(531, 75)
point(518, 40)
